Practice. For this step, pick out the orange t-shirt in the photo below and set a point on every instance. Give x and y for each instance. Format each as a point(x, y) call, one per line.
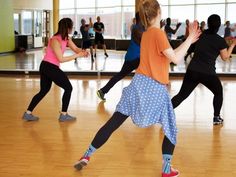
point(153, 63)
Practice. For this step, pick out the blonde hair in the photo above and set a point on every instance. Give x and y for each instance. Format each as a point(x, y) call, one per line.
point(148, 10)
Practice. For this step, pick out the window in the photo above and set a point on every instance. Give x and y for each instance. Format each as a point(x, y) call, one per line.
point(111, 18)
point(17, 23)
point(231, 13)
point(127, 22)
point(67, 4)
point(85, 4)
point(204, 11)
point(27, 25)
point(210, 1)
point(179, 13)
point(163, 2)
point(70, 13)
point(108, 3)
point(178, 2)
point(164, 12)
point(128, 3)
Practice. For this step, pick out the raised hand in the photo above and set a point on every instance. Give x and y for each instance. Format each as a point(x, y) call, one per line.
point(194, 31)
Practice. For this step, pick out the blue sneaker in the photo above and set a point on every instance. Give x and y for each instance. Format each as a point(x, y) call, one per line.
point(66, 117)
point(29, 117)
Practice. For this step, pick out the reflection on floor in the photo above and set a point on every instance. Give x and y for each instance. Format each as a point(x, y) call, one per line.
point(30, 61)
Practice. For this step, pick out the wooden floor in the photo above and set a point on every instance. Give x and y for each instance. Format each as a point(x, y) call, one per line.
point(48, 148)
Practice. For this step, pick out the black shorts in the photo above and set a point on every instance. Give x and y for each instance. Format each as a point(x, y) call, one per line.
point(99, 39)
point(86, 44)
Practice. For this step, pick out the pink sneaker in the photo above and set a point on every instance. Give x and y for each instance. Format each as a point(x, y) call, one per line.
point(173, 173)
point(81, 163)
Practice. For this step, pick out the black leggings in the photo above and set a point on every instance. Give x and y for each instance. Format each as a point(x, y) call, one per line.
point(114, 123)
point(51, 73)
point(126, 69)
point(191, 80)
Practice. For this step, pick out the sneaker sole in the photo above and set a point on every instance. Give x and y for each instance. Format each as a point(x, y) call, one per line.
point(80, 165)
point(30, 119)
point(68, 120)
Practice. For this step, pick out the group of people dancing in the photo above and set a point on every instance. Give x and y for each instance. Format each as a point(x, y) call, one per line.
point(146, 100)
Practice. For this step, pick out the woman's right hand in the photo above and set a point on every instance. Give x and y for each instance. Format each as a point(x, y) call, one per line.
point(194, 31)
point(82, 53)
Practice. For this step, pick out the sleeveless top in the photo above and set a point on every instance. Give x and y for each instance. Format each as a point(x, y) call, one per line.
point(50, 55)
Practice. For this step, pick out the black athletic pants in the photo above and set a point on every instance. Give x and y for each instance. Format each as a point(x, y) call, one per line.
point(114, 123)
point(126, 69)
point(51, 73)
point(191, 80)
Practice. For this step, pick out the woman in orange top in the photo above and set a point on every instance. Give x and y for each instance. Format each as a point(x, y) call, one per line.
point(146, 99)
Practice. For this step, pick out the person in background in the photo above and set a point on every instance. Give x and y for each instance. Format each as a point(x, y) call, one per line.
point(50, 71)
point(186, 29)
point(132, 58)
point(91, 31)
point(86, 41)
point(169, 31)
point(99, 30)
point(202, 68)
point(228, 30)
point(202, 26)
point(133, 24)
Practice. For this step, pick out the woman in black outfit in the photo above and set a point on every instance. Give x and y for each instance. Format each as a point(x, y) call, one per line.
point(202, 67)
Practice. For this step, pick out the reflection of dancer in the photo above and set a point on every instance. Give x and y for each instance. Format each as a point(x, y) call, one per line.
point(146, 99)
point(131, 58)
point(84, 29)
point(50, 71)
point(202, 67)
point(98, 27)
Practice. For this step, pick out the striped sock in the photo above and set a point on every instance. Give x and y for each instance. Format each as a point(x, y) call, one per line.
point(90, 151)
point(166, 163)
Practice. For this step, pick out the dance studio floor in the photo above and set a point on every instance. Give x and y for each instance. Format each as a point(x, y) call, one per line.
point(48, 148)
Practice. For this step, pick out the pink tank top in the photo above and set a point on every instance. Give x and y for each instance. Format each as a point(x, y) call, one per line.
point(50, 55)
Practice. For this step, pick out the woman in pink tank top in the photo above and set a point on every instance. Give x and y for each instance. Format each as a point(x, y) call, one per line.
point(50, 71)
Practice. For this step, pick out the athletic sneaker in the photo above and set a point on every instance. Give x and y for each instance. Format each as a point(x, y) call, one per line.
point(101, 95)
point(106, 54)
point(217, 120)
point(81, 163)
point(29, 117)
point(66, 117)
point(173, 173)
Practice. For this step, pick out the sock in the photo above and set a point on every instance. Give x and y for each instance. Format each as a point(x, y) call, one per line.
point(90, 151)
point(166, 163)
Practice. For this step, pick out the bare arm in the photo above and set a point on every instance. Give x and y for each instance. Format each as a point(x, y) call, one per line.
point(73, 47)
point(225, 53)
point(177, 55)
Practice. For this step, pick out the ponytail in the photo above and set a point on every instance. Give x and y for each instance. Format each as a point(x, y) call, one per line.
point(148, 10)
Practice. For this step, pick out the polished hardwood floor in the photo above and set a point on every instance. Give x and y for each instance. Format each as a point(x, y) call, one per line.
point(48, 148)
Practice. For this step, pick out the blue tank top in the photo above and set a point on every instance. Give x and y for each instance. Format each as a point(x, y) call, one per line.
point(133, 51)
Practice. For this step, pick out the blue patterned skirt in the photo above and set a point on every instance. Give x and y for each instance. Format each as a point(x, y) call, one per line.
point(148, 102)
